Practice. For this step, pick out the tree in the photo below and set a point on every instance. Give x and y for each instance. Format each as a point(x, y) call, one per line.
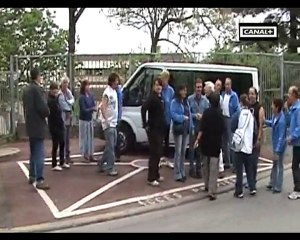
point(288, 20)
point(74, 15)
point(191, 25)
point(26, 32)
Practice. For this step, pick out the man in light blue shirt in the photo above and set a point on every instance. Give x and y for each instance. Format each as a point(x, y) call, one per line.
point(167, 95)
point(294, 137)
point(66, 102)
point(198, 103)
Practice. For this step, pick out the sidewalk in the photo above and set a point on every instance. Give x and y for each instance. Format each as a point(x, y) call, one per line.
point(83, 192)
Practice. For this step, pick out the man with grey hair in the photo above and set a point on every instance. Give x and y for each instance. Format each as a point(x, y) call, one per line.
point(167, 95)
point(209, 89)
point(66, 101)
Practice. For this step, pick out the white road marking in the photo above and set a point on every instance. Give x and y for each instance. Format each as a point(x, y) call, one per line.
point(74, 156)
point(54, 210)
point(91, 163)
point(164, 194)
point(265, 164)
point(101, 190)
point(265, 160)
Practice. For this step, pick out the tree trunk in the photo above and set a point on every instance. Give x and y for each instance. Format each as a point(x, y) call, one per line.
point(292, 44)
point(71, 50)
point(153, 51)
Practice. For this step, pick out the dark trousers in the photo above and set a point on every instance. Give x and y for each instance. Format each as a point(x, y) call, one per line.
point(194, 155)
point(117, 148)
point(244, 160)
point(67, 141)
point(36, 162)
point(296, 168)
point(255, 155)
point(166, 141)
point(155, 138)
point(58, 141)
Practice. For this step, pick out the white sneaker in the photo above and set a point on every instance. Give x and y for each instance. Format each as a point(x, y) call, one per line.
point(154, 183)
point(65, 165)
point(57, 168)
point(161, 179)
point(294, 195)
point(170, 164)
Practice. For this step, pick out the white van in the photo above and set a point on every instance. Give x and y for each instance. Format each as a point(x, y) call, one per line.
point(138, 87)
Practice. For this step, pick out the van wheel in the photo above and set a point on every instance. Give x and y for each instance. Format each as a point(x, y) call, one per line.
point(127, 138)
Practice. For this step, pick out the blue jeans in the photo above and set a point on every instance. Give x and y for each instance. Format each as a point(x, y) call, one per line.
point(108, 156)
point(179, 156)
point(67, 141)
point(276, 178)
point(194, 154)
point(226, 143)
point(36, 169)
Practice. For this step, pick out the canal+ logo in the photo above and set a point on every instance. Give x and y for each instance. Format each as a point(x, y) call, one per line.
point(258, 31)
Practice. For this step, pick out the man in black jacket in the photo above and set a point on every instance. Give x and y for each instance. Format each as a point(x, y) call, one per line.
point(210, 139)
point(36, 111)
point(155, 130)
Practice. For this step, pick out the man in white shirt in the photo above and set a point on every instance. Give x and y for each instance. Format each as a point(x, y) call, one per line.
point(218, 89)
point(210, 88)
point(109, 121)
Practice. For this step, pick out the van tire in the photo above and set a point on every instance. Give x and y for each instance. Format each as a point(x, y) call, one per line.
point(127, 138)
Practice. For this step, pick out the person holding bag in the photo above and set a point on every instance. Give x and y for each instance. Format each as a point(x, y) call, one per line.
point(181, 127)
point(278, 124)
point(242, 144)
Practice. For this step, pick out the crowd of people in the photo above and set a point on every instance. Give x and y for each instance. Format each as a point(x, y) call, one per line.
point(223, 131)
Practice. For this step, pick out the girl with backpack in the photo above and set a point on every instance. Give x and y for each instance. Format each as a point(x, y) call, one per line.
point(243, 126)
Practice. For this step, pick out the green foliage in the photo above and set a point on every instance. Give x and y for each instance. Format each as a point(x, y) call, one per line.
point(190, 25)
point(30, 32)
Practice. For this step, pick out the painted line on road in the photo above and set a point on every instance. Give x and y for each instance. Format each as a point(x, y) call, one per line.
point(54, 210)
point(265, 164)
point(67, 213)
point(73, 156)
point(101, 190)
point(265, 160)
point(90, 164)
point(142, 198)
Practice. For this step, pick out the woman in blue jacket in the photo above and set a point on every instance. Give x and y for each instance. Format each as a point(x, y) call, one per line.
point(181, 128)
point(278, 124)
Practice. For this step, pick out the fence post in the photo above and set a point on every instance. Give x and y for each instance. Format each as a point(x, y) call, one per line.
point(12, 96)
point(281, 75)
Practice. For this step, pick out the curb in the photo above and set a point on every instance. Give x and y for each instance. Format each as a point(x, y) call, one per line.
point(9, 156)
point(59, 225)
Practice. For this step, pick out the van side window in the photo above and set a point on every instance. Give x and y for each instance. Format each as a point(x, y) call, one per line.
point(182, 77)
point(141, 86)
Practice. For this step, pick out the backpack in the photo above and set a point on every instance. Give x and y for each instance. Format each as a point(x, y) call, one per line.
point(238, 135)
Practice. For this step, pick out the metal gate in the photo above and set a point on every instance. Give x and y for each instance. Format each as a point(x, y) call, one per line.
point(275, 74)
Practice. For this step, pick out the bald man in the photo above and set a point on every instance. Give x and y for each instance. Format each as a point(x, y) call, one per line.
point(230, 107)
point(294, 137)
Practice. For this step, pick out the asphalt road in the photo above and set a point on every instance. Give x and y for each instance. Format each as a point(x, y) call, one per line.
point(266, 212)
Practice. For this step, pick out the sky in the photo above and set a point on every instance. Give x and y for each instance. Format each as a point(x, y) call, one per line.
point(99, 36)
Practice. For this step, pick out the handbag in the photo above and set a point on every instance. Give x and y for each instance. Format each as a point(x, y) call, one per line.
point(178, 128)
point(238, 136)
